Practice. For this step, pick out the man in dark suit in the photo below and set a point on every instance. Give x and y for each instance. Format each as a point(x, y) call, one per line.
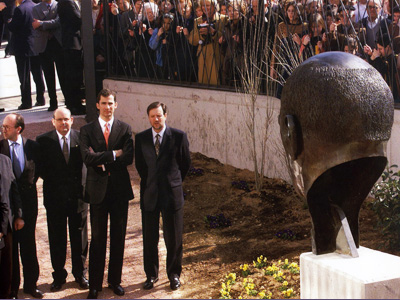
point(22, 48)
point(24, 155)
point(9, 192)
point(47, 42)
point(107, 150)
point(162, 160)
point(6, 11)
point(69, 13)
point(61, 170)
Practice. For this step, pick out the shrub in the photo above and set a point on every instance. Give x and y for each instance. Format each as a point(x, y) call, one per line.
point(386, 206)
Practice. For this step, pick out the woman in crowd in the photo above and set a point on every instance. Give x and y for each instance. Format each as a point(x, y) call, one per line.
point(206, 33)
point(287, 42)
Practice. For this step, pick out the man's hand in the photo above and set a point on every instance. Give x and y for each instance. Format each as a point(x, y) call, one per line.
point(118, 153)
point(375, 54)
point(36, 24)
point(2, 6)
point(160, 31)
point(131, 32)
point(18, 223)
point(368, 50)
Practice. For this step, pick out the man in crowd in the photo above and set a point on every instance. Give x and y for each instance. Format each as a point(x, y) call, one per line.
point(26, 59)
point(107, 150)
point(69, 12)
point(47, 42)
point(162, 160)
point(24, 155)
point(373, 24)
point(9, 192)
point(61, 170)
point(383, 59)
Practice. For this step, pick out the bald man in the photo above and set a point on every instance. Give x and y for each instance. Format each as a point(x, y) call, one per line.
point(61, 170)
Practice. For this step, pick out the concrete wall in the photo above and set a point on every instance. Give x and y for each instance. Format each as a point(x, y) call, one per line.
point(215, 122)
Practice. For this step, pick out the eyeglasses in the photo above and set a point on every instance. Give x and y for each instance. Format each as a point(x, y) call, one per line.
point(373, 7)
point(6, 127)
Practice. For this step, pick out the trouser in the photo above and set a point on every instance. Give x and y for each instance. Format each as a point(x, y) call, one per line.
point(57, 220)
point(172, 231)
point(24, 244)
point(118, 211)
point(53, 54)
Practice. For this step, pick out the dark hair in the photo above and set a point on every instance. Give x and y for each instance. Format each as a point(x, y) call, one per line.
point(106, 93)
point(383, 40)
point(19, 121)
point(156, 105)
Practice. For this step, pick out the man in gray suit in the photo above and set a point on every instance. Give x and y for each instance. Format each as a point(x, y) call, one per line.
point(9, 192)
point(47, 42)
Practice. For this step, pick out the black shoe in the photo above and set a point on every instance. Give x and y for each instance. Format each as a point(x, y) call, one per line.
point(149, 283)
point(83, 282)
point(92, 294)
point(35, 293)
point(39, 104)
point(56, 285)
point(117, 289)
point(13, 295)
point(174, 283)
point(52, 108)
point(2, 109)
point(23, 106)
point(7, 55)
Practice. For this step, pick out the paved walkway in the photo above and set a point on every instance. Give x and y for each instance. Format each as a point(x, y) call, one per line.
point(133, 274)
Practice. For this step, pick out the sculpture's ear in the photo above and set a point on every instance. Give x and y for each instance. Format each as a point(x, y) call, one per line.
point(292, 136)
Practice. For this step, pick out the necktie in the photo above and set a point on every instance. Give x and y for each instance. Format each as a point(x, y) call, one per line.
point(157, 144)
point(15, 162)
point(106, 133)
point(65, 149)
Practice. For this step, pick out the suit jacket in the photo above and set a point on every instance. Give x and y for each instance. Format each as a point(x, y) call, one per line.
point(50, 25)
point(9, 190)
point(21, 27)
point(71, 22)
point(362, 32)
point(162, 176)
point(4, 211)
point(62, 182)
point(27, 182)
point(95, 153)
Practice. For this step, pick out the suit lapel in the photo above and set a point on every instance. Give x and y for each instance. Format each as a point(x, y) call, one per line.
point(148, 144)
point(98, 133)
point(115, 130)
point(165, 141)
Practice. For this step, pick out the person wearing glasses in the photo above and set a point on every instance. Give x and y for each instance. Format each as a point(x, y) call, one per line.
point(61, 168)
point(373, 25)
point(24, 154)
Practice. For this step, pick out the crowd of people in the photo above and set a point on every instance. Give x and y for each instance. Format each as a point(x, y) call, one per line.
point(82, 170)
point(209, 41)
point(187, 41)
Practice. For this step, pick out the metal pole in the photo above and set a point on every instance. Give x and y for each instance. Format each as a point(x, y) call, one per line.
point(88, 60)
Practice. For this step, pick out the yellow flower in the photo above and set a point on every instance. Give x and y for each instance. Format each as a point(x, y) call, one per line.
point(280, 273)
point(254, 263)
point(279, 262)
point(274, 275)
point(240, 297)
point(285, 283)
point(261, 294)
point(286, 261)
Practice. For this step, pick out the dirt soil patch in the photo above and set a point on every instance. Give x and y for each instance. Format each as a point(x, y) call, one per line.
point(209, 253)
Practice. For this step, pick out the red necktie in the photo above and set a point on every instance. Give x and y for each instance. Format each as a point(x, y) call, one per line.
point(106, 133)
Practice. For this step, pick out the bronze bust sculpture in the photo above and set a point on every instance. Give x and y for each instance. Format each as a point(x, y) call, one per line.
point(335, 120)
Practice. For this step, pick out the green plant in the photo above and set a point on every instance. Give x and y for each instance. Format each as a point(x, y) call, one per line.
point(387, 206)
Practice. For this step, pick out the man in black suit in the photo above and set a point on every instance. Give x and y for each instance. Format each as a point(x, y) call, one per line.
point(61, 170)
point(24, 155)
point(107, 150)
point(162, 160)
point(69, 13)
point(9, 192)
point(26, 59)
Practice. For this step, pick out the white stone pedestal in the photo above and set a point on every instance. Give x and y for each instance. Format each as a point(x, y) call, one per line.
point(372, 275)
